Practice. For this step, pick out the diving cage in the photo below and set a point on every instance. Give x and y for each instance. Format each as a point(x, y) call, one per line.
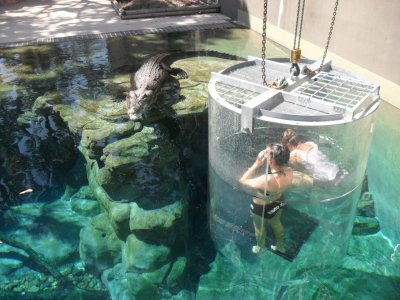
point(334, 109)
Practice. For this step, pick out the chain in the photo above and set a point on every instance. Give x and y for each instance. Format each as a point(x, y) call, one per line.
point(264, 37)
point(295, 54)
point(297, 24)
point(301, 22)
point(330, 33)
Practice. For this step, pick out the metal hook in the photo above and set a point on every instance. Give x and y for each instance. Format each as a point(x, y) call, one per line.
point(295, 69)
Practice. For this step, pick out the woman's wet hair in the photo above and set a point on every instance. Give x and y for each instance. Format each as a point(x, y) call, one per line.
point(280, 153)
point(290, 137)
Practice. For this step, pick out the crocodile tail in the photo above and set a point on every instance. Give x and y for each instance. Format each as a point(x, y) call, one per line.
point(169, 58)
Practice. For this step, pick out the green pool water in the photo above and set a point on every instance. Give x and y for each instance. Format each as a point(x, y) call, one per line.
point(42, 153)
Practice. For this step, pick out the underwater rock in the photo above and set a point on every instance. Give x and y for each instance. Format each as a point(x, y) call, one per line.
point(76, 177)
point(340, 283)
point(158, 284)
point(24, 120)
point(142, 170)
point(364, 185)
point(84, 203)
point(177, 274)
point(192, 95)
point(126, 162)
point(51, 247)
point(232, 251)
point(116, 283)
point(85, 207)
point(119, 289)
point(87, 114)
point(100, 133)
point(9, 265)
point(11, 259)
point(366, 205)
point(120, 213)
point(157, 225)
point(101, 195)
point(376, 249)
point(70, 191)
point(44, 104)
point(126, 285)
point(124, 153)
point(33, 289)
point(7, 250)
point(62, 211)
point(140, 256)
point(139, 167)
point(183, 295)
point(107, 109)
point(84, 192)
point(99, 247)
point(118, 85)
point(225, 281)
point(50, 229)
point(119, 218)
point(365, 225)
point(118, 145)
point(35, 259)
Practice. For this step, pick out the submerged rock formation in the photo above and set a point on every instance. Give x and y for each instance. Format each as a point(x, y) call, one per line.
point(44, 237)
point(138, 234)
point(365, 222)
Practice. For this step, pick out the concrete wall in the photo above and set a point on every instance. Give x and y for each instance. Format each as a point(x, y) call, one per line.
point(366, 35)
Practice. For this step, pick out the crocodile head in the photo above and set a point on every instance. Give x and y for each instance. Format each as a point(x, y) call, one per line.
point(139, 102)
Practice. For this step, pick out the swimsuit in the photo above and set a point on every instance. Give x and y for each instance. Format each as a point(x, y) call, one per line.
point(268, 210)
point(268, 214)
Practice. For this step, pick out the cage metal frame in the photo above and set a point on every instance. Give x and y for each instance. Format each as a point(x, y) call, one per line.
point(332, 96)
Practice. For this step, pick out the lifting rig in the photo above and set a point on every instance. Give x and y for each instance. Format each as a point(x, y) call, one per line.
point(295, 53)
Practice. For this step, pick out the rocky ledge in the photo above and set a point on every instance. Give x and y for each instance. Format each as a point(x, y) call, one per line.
point(138, 228)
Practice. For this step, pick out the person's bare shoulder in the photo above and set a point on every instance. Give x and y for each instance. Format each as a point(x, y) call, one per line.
point(311, 144)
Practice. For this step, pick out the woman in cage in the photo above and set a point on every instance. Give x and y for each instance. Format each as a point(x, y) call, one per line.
point(266, 208)
point(307, 157)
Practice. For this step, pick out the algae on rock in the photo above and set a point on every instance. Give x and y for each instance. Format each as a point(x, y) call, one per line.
point(140, 231)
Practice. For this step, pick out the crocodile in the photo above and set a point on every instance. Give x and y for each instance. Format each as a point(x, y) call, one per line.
point(148, 79)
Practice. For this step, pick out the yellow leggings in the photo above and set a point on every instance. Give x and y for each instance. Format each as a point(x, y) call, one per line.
point(260, 228)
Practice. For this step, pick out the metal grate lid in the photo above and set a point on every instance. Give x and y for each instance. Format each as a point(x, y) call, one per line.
point(332, 95)
point(234, 95)
point(339, 91)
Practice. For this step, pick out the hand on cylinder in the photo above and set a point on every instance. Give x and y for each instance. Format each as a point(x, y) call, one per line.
point(260, 158)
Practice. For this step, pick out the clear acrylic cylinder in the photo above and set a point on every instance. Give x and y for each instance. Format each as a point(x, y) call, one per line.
point(244, 117)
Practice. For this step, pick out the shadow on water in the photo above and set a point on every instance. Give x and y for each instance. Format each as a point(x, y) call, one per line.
point(193, 160)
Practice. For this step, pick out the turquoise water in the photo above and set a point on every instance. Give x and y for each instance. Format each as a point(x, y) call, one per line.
point(121, 211)
point(383, 170)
